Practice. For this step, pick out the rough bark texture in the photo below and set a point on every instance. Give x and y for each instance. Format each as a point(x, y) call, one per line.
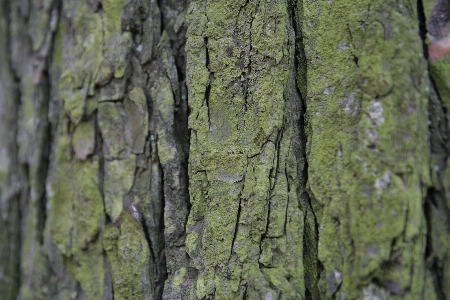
point(263, 149)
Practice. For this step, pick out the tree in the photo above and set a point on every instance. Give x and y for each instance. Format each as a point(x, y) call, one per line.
point(279, 149)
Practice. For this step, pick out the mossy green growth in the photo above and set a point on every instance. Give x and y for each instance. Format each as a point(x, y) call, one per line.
point(119, 176)
point(78, 55)
point(57, 58)
point(73, 98)
point(112, 16)
point(76, 213)
point(440, 72)
point(89, 269)
point(368, 155)
point(74, 194)
point(129, 255)
point(117, 44)
point(240, 62)
point(83, 140)
point(164, 103)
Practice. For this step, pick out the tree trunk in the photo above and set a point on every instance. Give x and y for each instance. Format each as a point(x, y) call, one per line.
point(280, 149)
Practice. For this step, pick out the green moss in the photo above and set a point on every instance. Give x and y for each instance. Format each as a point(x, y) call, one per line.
point(83, 140)
point(179, 277)
point(367, 141)
point(240, 65)
point(119, 176)
point(113, 16)
point(164, 103)
point(129, 256)
point(76, 214)
point(122, 61)
point(89, 270)
point(440, 71)
point(57, 58)
point(74, 193)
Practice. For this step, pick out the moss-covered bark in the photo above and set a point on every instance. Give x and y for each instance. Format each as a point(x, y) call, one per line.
point(266, 149)
point(245, 229)
point(368, 146)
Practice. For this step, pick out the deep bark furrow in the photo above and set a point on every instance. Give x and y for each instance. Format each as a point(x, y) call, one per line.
point(311, 233)
point(436, 204)
point(209, 83)
point(432, 261)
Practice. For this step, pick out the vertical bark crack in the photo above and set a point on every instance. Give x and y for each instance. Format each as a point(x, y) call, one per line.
point(432, 261)
point(311, 234)
point(209, 83)
point(435, 199)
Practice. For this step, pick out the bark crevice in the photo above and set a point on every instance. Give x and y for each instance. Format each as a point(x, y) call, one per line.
point(436, 210)
point(311, 263)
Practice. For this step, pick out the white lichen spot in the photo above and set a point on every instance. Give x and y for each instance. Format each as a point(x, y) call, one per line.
point(338, 276)
point(375, 111)
point(351, 106)
point(224, 176)
point(90, 39)
point(344, 46)
point(373, 134)
point(329, 90)
point(382, 183)
point(270, 28)
point(374, 292)
point(135, 213)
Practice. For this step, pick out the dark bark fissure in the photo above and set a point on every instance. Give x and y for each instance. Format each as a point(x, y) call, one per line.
point(432, 203)
point(42, 211)
point(55, 11)
point(249, 66)
point(422, 26)
point(435, 199)
point(162, 274)
point(101, 164)
point(170, 45)
point(312, 265)
point(209, 83)
point(146, 230)
point(238, 217)
point(161, 19)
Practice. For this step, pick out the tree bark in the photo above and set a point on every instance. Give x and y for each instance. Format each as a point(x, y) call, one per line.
point(280, 149)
